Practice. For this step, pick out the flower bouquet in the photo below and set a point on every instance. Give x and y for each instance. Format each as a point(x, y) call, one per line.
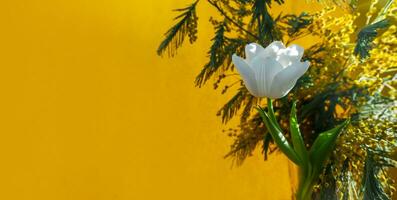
point(330, 108)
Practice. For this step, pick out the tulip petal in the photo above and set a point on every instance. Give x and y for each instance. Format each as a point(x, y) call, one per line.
point(286, 79)
point(251, 50)
point(289, 55)
point(295, 51)
point(273, 48)
point(246, 73)
point(265, 69)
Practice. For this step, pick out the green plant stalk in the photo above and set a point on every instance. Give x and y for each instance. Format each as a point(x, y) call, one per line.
point(278, 137)
point(305, 183)
point(272, 116)
point(305, 188)
point(310, 163)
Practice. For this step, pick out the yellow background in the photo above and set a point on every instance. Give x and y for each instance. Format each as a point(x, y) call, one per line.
point(89, 111)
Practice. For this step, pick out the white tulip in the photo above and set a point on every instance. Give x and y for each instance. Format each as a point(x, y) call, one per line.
point(272, 71)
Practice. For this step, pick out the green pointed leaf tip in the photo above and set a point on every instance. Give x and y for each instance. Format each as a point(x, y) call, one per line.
point(323, 146)
point(278, 137)
point(297, 140)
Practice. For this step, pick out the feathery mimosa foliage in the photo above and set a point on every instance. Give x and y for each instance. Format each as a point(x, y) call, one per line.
point(186, 26)
point(352, 75)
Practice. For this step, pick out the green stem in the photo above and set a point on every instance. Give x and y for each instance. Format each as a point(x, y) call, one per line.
point(307, 172)
point(305, 189)
point(271, 113)
point(279, 138)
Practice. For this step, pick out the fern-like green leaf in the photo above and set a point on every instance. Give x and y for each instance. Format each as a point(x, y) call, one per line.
point(366, 36)
point(264, 21)
point(186, 26)
point(372, 187)
point(233, 105)
point(296, 24)
point(216, 54)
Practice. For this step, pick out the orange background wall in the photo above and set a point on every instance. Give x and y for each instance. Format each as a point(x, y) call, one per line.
point(89, 111)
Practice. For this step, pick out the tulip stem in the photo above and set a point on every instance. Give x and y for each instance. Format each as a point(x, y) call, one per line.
point(306, 179)
point(271, 113)
point(310, 162)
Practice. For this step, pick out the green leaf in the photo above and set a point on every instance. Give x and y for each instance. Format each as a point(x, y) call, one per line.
point(220, 55)
point(296, 25)
point(266, 143)
point(187, 26)
point(279, 139)
point(366, 36)
point(233, 105)
point(264, 22)
point(323, 146)
point(216, 54)
point(297, 140)
point(372, 186)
